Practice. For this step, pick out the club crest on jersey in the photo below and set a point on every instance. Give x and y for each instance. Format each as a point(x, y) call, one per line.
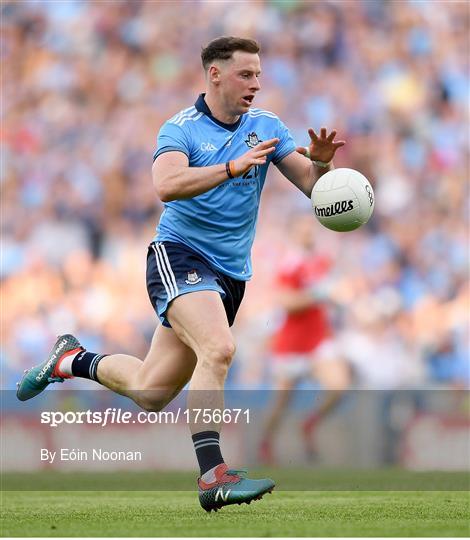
point(252, 140)
point(193, 278)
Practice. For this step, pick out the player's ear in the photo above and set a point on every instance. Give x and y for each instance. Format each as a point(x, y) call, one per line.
point(214, 74)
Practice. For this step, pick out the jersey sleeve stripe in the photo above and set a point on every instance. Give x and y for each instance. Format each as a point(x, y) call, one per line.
point(186, 118)
point(261, 112)
point(169, 149)
point(267, 115)
point(183, 116)
point(178, 115)
point(283, 155)
point(182, 113)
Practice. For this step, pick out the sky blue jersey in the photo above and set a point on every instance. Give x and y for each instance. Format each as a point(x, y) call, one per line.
point(220, 224)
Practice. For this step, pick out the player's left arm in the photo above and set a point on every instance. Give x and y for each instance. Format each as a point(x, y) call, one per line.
point(303, 173)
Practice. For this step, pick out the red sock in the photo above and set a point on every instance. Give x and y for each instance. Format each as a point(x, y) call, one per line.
point(57, 372)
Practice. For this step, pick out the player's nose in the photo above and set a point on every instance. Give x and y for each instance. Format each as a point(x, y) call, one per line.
point(255, 86)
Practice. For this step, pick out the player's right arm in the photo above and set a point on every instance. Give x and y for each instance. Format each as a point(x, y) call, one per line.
point(174, 179)
point(294, 300)
point(294, 294)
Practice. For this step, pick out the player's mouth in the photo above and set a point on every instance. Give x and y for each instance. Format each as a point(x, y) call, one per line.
point(248, 100)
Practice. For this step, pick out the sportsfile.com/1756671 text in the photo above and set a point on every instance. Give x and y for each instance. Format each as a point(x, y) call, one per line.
point(119, 416)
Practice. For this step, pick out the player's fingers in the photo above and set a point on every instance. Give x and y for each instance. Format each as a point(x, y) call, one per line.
point(259, 161)
point(268, 143)
point(323, 133)
point(338, 144)
point(301, 150)
point(313, 135)
point(264, 151)
point(331, 136)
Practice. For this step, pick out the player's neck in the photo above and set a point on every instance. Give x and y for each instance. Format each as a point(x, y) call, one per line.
point(218, 111)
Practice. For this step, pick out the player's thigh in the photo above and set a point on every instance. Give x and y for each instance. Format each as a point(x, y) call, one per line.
point(169, 363)
point(199, 319)
point(288, 369)
point(329, 368)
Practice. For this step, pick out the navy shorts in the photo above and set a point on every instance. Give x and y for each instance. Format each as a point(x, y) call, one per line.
point(175, 269)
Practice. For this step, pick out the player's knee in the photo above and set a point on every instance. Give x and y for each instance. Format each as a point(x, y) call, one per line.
point(219, 353)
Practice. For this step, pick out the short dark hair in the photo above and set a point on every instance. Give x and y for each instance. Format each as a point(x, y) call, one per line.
point(222, 48)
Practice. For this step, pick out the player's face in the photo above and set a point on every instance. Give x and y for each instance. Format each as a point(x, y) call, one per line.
point(239, 82)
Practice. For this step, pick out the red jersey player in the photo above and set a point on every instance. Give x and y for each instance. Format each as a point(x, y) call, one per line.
point(303, 346)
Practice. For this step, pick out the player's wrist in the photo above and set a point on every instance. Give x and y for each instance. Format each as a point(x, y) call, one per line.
point(229, 169)
point(234, 170)
point(317, 162)
point(322, 164)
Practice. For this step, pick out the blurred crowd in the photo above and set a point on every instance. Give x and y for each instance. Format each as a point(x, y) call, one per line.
point(85, 88)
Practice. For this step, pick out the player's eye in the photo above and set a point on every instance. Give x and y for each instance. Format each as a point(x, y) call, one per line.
point(248, 75)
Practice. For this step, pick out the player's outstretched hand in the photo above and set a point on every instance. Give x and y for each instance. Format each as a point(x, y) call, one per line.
point(321, 148)
point(255, 156)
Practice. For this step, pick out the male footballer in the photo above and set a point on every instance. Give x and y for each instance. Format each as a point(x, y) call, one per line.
point(209, 170)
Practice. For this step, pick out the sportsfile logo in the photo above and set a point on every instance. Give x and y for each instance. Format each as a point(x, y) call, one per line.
point(338, 207)
point(43, 371)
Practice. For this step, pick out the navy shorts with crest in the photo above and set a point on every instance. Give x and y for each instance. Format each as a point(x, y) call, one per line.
point(174, 269)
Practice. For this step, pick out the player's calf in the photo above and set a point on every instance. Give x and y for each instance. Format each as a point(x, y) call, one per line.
point(153, 400)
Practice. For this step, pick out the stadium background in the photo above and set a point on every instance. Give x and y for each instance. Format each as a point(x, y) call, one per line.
point(86, 87)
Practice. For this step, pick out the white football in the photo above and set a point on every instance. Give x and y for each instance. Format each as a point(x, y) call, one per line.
point(342, 199)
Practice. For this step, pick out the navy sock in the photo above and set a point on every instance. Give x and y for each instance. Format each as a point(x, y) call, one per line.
point(206, 444)
point(85, 365)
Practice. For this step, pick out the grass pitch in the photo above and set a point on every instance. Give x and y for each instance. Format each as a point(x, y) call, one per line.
point(284, 513)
